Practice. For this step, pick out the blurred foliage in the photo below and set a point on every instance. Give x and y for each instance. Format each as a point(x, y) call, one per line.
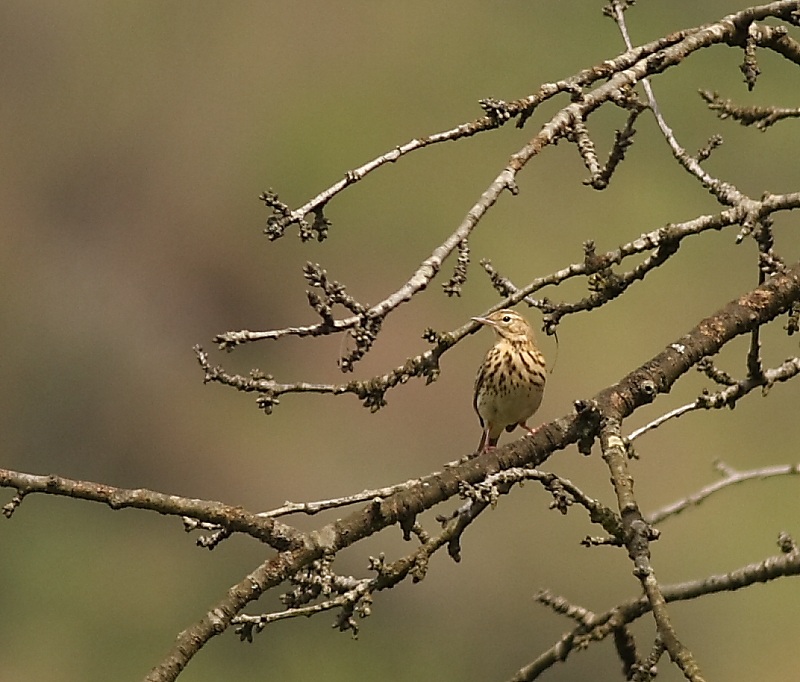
point(137, 138)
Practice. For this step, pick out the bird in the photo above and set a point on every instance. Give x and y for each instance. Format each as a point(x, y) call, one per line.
point(510, 381)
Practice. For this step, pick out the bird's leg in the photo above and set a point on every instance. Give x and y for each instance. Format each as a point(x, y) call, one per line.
point(482, 444)
point(487, 443)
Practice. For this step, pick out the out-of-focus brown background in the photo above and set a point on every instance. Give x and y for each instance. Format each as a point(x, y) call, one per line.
point(136, 138)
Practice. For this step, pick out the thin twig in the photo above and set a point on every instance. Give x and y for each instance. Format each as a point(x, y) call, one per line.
point(725, 192)
point(604, 624)
point(729, 477)
point(728, 396)
point(372, 391)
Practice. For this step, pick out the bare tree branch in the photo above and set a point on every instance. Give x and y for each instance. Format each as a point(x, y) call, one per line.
point(727, 397)
point(729, 477)
point(596, 627)
point(638, 388)
point(437, 511)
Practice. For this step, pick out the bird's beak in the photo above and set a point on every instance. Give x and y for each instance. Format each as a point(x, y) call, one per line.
point(484, 320)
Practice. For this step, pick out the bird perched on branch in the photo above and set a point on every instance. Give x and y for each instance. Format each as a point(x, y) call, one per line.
point(510, 381)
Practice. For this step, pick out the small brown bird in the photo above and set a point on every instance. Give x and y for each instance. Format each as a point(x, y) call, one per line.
point(510, 381)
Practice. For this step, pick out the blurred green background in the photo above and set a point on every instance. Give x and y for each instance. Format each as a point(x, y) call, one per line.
point(136, 139)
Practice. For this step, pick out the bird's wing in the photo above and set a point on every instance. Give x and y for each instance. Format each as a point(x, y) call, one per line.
point(478, 383)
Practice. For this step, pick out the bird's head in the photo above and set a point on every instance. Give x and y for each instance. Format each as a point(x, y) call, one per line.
point(508, 324)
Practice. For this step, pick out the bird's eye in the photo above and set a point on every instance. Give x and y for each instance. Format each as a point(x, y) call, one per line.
point(506, 318)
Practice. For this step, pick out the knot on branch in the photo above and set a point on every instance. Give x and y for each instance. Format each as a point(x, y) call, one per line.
point(420, 568)
point(705, 152)
point(611, 9)
point(762, 233)
point(592, 262)
point(562, 499)
point(16, 501)
point(649, 390)
point(486, 492)
point(359, 605)
point(638, 534)
point(588, 424)
point(332, 292)
point(372, 393)
point(452, 287)
point(564, 607)
point(246, 629)
point(267, 401)
point(442, 339)
point(749, 67)
point(315, 580)
point(606, 283)
point(378, 564)
point(364, 334)
point(786, 543)
point(318, 229)
point(427, 364)
point(282, 218)
point(707, 367)
point(771, 264)
point(627, 98)
point(496, 109)
point(501, 284)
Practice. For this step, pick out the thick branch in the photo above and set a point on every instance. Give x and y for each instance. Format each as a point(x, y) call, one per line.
point(235, 519)
point(636, 389)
